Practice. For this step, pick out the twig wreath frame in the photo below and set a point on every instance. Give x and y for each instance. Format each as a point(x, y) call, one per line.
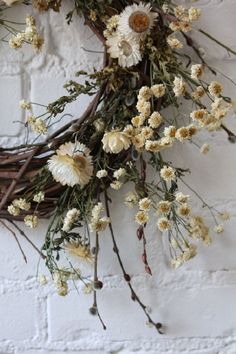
point(68, 176)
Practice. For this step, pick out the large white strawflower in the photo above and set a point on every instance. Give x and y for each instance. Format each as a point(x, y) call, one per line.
point(136, 20)
point(71, 165)
point(115, 141)
point(125, 49)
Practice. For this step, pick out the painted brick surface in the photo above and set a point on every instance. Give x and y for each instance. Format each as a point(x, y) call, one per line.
point(196, 302)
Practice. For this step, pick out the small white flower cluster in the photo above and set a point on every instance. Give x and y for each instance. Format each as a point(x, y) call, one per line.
point(142, 216)
point(38, 125)
point(184, 18)
point(131, 199)
point(61, 277)
point(30, 35)
point(31, 221)
point(70, 219)
point(125, 31)
point(98, 223)
point(18, 205)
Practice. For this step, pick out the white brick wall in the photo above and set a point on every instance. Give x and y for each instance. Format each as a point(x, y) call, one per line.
point(196, 302)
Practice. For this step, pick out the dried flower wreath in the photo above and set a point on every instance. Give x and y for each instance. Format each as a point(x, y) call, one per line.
point(68, 175)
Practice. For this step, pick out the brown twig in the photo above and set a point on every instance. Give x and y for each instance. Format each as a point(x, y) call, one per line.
point(15, 237)
point(127, 278)
point(27, 238)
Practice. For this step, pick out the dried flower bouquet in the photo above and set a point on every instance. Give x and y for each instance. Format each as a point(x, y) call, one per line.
point(124, 131)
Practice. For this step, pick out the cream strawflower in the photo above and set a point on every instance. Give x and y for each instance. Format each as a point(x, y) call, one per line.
point(158, 90)
point(141, 217)
point(197, 71)
point(126, 50)
point(179, 86)
point(215, 88)
point(115, 141)
point(163, 224)
point(137, 20)
point(167, 173)
point(71, 165)
point(145, 204)
point(101, 174)
point(174, 43)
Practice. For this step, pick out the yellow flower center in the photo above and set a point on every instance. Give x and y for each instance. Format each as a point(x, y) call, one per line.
point(139, 21)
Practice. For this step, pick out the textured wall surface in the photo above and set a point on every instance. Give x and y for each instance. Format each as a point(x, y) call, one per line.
point(197, 302)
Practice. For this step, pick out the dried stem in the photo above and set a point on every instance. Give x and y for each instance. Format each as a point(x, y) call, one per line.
point(17, 241)
point(127, 278)
point(27, 238)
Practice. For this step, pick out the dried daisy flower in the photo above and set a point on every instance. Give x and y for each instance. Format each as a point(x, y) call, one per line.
point(125, 49)
point(77, 249)
point(39, 197)
point(137, 121)
point(167, 173)
point(129, 131)
point(155, 120)
point(121, 172)
point(181, 13)
point(197, 71)
point(182, 134)
point(70, 219)
point(31, 221)
point(163, 224)
point(185, 27)
point(131, 199)
point(116, 185)
point(147, 132)
point(145, 204)
point(174, 26)
point(138, 141)
point(170, 131)
point(174, 43)
point(194, 13)
point(184, 210)
point(181, 198)
point(192, 129)
point(137, 20)
point(71, 165)
point(101, 174)
point(198, 93)
point(179, 86)
point(115, 141)
point(199, 115)
point(164, 207)
point(215, 89)
point(144, 108)
point(205, 148)
point(153, 145)
point(145, 93)
point(141, 217)
point(158, 90)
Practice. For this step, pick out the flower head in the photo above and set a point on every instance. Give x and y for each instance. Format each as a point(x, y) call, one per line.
point(125, 49)
point(71, 165)
point(115, 141)
point(137, 20)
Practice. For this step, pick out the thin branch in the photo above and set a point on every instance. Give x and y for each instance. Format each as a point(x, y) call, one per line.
point(134, 295)
point(17, 241)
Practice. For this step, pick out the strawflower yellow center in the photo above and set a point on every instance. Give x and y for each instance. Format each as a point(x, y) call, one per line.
point(139, 21)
